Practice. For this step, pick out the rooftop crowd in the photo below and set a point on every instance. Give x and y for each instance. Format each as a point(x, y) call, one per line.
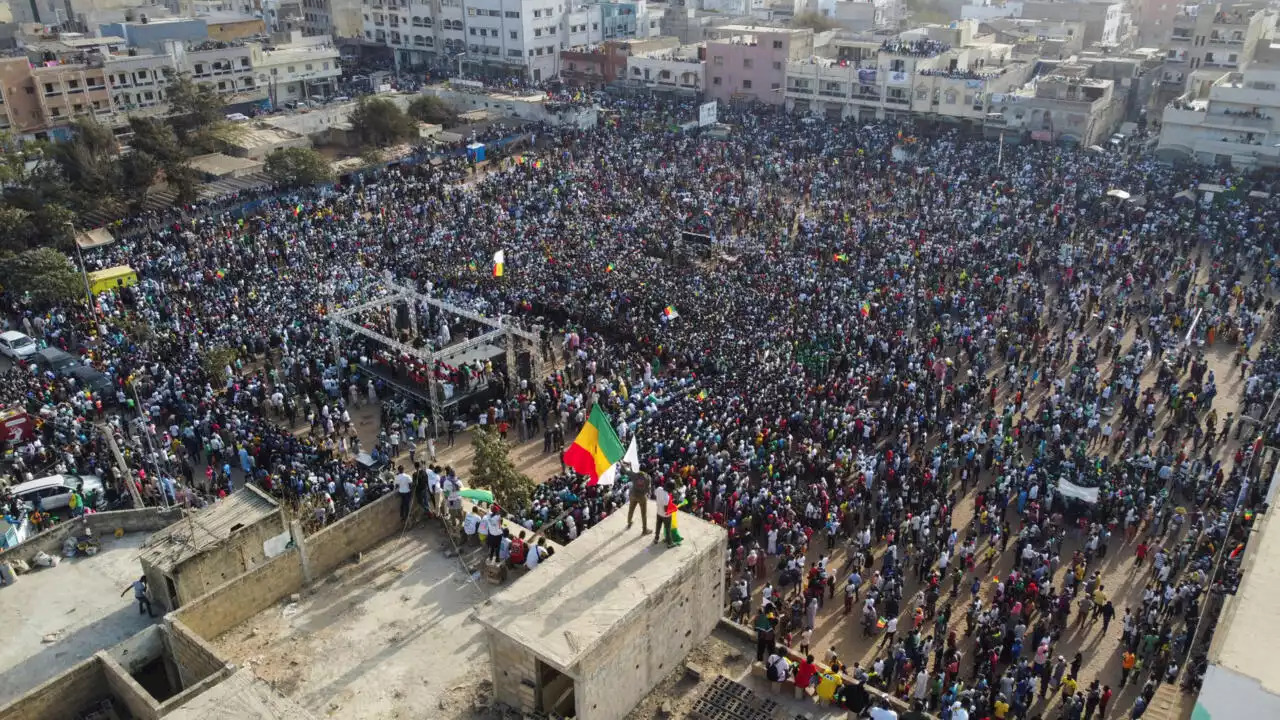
point(872, 343)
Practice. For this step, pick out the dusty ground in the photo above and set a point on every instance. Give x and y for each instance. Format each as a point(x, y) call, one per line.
point(390, 637)
point(76, 606)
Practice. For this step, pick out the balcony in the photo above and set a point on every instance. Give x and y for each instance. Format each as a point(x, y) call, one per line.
point(800, 90)
point(833, 94)
point(898, 100)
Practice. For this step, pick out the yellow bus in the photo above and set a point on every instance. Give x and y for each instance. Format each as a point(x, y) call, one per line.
point(117, 277)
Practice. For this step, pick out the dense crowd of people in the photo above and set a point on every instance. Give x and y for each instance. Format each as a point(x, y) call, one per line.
point(869, 343)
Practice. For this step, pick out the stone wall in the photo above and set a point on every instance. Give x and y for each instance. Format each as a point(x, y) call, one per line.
point(336, 544)
point(515, 673)
point(242, 598)
point(227, 560)
point(102, 524)
point(64, 696)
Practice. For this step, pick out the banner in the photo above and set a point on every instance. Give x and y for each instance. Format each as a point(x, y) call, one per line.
point(898, 77)
point(867, 76)
point(1079, 492)
point(707, 114)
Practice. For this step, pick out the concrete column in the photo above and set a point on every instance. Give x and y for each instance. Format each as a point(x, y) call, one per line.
point(295, 532)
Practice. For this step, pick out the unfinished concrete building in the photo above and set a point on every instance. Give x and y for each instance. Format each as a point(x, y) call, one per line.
point(210, 547)
point(595, 627)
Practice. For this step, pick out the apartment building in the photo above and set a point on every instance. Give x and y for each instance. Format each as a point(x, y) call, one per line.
point(1152, 21)
point(920, 77)
point(1236, 124)
point(521, 38)
point(1209, 41)
point(595, 66)
point(299, 69)
point(746, 62)
point(1065, 107)
point(41, 102)
point(680, 69)
point(1105, 21)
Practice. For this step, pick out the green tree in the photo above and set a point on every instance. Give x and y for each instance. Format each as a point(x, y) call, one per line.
point(215, 360)
point(89, 163)
point(17, 229)
point(197, 113)
point(45, 273)
point(431, 109)
point(491, 468)
point(295, 167)
point(380, 123)
point(814, 21)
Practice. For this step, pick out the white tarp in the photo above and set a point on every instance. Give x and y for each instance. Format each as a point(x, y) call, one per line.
point(1069, 489)
point(273, 546)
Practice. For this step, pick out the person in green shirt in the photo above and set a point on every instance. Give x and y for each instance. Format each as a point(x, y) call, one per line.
point(763, 625)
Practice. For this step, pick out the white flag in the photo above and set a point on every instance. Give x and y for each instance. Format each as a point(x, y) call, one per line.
point(632, 459)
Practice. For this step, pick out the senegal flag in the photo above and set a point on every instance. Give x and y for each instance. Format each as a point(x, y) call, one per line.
point(597, 449)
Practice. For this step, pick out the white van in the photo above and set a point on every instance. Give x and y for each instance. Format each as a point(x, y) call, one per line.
point(55, 491)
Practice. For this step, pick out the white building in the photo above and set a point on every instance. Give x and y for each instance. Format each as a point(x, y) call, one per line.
point(682, 68)
point(302, 68)
point(1236, 124)
point(983, 10)
point(487, 37)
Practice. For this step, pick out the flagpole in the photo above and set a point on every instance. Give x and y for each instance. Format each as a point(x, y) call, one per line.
point(1000, 153)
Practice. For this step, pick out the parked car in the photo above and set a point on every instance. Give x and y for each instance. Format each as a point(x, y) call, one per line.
point(55, 491)
point(17, 345)
point(56, 361)
point(90, 379)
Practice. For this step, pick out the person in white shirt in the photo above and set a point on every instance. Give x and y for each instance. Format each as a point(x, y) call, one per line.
point(471, 524)
point(493, 529)
point(662, 494)
point(404, 486)
point(881, 713)
point(535, 554)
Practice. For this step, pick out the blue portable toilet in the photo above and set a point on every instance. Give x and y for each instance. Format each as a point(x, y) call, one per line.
point(475, 152)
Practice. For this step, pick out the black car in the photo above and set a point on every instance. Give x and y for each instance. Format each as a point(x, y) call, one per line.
point(56, 361)
point(89, 379)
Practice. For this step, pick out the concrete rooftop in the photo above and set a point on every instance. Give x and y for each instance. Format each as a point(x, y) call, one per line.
point(575, 598)
point(1255, 606)
point(76, 605)
point(194, 534)
point(242, 697)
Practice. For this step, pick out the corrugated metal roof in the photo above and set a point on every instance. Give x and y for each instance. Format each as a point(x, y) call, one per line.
point(199, 531)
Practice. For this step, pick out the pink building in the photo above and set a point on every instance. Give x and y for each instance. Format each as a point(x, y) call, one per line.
point(745, 62)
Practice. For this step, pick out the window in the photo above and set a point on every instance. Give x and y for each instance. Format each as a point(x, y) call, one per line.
point(950, 97)
point(275, 71)
point(747, 62)
point(537, 13)
point(326, 66)
point(78, 107)
point(222, 84)
point(244, 62)
point(513, 53)
point(775, 86)
point(514, 15)
point(73, 84)
point(717, 60)
point(293, 69)
point(514, 35)
point(537, 32)
point(777, 44)
point(309, 67)
point(595, 26)
point(715, 81)
point(777, 65)
point(922, 94)
point(148, 95)
point(746, 84)
point(56, 112)
point(473, 31)
point(48, 88)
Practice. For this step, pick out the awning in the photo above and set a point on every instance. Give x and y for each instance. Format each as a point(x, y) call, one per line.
point(95, 238)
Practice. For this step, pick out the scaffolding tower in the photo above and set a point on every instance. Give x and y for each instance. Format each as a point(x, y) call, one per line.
point(501, 333)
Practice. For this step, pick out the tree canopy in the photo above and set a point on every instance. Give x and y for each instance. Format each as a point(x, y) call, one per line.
point(814, 21)
point(380, 122)
point(296, 167)
point(431, 109)
point(491, 468)
point(45, 273)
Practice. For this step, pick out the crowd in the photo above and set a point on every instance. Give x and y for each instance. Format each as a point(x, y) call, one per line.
point(870, 344)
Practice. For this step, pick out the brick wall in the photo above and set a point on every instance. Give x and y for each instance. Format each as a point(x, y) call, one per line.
point(64, 696)
point(143, 647)
point(240, 599)
point(127, 692)
point(334, 545)
point(195, 658)
point(227, 560)
point(102, 524)
point(515, 673)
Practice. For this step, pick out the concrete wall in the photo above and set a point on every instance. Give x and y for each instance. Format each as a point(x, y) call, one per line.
point(102, 524)
point(242, 598)
point(126, 691)
point(1227, 694)
point(654, 640)
point(515, 673)
point(196, 659)
point(227, 560)
point(335, 544)
point(133, 654)
point(63, 696)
